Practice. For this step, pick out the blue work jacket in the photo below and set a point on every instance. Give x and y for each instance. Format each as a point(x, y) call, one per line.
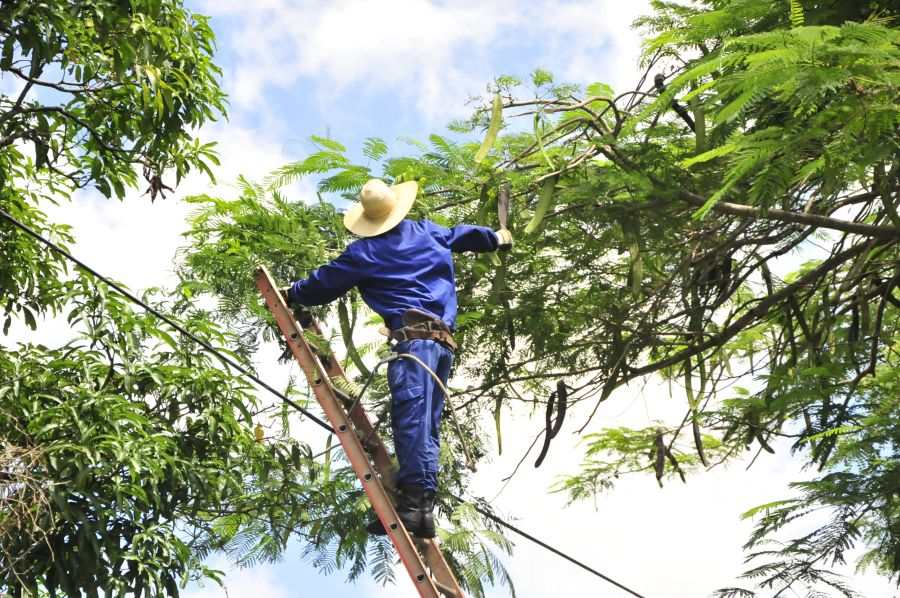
point(410, 266)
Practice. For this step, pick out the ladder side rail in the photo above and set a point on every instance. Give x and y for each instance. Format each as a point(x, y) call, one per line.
point(352, 447)
point(431, 550)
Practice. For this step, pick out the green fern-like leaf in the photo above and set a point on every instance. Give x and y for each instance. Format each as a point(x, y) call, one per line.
point(350, 179)
point(797, 18)
point(318, 162)
point(830, 432)
point(381, 556)
point(374, 148)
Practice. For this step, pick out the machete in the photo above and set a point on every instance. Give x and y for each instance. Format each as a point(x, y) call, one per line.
point(503, 204)
point(502, 215)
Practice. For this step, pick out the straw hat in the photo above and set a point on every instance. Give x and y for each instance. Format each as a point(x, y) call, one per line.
point(380, 207)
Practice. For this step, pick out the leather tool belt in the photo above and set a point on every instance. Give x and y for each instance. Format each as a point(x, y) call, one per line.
point(420, 325)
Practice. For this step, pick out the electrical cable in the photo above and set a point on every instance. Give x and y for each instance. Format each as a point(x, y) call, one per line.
point(546, 546)
point(227, 360)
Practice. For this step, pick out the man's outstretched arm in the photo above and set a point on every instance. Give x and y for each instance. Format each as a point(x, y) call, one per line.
point(328, 282)
point(466, 237)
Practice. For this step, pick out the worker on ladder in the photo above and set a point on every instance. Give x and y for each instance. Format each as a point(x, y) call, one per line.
point(404, 272)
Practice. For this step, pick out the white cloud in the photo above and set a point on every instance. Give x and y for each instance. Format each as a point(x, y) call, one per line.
point(428, 53)
point(134, 241)
point(407, 46)
point(598, 43)
point(259, 582)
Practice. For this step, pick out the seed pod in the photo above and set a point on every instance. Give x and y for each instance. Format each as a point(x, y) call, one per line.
point(510, 328)
point(548, 430)
point(752, 427)
point(484, 205)
point(698, 442)
point(637, 269)
point(543, 204)
point(493, 129)
point(729, 432)
point(326, 469)
point(347, 334)
point(728, 366)
point(660, 464)
point(865, 316)
point(699, 125)
point(701, 371)
point(498, 402)
point(762, 442)
point(853, 332)
point(540, 141)
point(689, 385)
point(618, 359)
point(675, 465)
point(503, 204)
point(562, 395)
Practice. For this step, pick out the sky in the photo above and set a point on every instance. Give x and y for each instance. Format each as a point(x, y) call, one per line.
point(353, 69)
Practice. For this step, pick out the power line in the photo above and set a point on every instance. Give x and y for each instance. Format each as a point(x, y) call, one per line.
point(224, 358)
point(165, 319)
point(546, 546)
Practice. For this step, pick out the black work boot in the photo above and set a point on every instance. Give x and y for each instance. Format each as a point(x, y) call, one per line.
point(426, 529)
point(408, 509)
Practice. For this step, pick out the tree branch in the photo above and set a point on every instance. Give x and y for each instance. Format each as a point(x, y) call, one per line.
point(758, 311)
point(868, 230)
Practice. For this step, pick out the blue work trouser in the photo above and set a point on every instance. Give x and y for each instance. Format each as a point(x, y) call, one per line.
point(417, 403)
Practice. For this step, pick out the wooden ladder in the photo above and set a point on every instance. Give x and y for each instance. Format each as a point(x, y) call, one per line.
point(423, 559)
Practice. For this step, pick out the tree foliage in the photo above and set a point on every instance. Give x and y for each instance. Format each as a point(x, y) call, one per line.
point(122, 449)
point(729, 225)
point(101, 87)
point(143, 445)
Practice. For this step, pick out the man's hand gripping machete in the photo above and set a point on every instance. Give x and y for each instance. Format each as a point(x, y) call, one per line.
point(503, 235)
